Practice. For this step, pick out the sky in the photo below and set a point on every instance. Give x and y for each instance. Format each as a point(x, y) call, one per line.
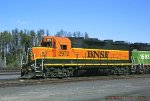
point(127, 20)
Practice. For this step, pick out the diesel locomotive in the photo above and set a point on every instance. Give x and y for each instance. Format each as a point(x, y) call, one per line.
point(67, 57)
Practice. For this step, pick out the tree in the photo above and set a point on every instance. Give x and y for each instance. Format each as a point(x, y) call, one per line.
point(78, 34)
point(57, 34)
point(61, 33)
point(69, 34)
point(33, 37)
point(86, 36)
point(47, 33)
point(74, 34)
point(40, 34)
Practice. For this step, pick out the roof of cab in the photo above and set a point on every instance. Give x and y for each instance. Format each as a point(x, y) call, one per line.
point(60, 40)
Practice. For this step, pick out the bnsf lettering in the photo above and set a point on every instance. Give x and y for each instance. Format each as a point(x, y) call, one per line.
point(98, 54)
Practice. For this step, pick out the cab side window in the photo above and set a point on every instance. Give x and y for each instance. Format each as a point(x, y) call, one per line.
point(48, 43)
point(63, 47)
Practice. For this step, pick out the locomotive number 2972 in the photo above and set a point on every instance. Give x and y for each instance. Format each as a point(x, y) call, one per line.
point(63, 53)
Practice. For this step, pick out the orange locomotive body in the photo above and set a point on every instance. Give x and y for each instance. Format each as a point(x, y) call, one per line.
point(56, 57)
point(60, 48)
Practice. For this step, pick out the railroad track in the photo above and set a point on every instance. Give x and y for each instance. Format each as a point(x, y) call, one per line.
point(9, 70)
point(9, 73)
point(27, 82)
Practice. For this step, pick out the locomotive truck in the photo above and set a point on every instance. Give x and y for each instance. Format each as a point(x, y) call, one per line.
point(67, 57)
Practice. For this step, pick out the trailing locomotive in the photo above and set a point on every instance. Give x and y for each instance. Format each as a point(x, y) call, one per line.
point(66, 57)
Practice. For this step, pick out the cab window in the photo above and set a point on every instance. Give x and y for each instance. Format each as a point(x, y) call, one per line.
point(48, 43)
point(63, 47)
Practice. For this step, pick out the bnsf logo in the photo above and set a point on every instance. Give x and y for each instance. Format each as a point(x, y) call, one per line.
point(145, 56)
point(98, 54)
